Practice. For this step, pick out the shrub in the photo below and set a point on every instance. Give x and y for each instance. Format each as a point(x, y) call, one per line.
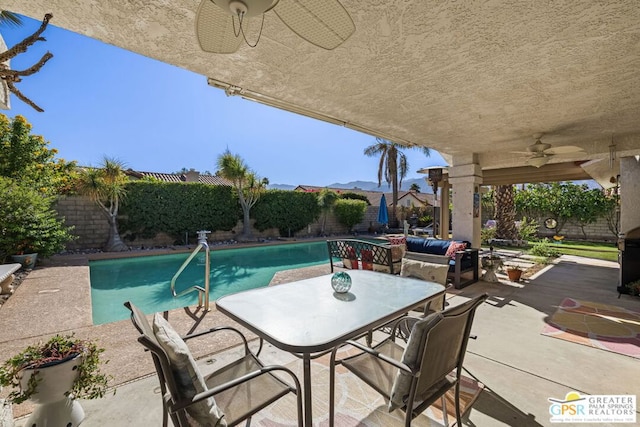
point(528, 229)
point(543, 248)
point(29, 224)
point(355, 196)
point(350, 212)
point(288, 211)
point(487, 234)
point(173, 208)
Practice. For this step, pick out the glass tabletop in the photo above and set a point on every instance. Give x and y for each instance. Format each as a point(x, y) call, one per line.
point(307, 316)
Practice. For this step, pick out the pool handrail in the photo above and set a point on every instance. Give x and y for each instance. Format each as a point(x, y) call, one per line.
point(202, 243)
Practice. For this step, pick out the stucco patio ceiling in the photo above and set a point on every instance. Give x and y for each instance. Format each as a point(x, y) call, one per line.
point(459, 77)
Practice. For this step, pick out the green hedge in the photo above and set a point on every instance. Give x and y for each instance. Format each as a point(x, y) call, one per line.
point(174, 208)
point(288, 211)
point(350, 212)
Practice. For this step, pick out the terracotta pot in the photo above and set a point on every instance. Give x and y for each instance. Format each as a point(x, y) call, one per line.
point(514, 274)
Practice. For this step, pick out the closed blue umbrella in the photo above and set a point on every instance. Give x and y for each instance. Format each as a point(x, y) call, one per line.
point(383, 213)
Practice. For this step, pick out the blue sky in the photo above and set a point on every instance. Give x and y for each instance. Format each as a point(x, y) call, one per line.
point(100, 100)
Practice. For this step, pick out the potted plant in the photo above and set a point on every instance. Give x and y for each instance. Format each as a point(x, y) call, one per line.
point(514, 272)
point(633, 288)
point(53, 374)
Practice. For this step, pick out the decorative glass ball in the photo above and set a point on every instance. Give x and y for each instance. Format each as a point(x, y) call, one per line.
point(341, 282)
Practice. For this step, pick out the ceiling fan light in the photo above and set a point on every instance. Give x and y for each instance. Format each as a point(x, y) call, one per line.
point(248, 7)
point(537, 161)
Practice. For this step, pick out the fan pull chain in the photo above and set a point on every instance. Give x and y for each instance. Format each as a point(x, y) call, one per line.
point(241, 30)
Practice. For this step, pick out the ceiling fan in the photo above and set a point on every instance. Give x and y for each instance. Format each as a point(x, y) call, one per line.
point(540, 152)
point(222, 25)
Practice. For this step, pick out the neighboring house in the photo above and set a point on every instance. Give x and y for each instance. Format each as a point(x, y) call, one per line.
point(190, 176)
point(414, 199)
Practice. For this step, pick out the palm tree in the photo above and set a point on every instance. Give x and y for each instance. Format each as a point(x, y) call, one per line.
point(326, 199)
point(247, 184)
point(415, 187)
point(505, 212)
point(106, 187)
point(393, 165)
point(10, 19)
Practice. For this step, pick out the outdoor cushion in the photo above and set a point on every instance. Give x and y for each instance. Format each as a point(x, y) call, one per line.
point(397, 252)
point(402, 383)
point(186, 373)
point(424, 270)
point(428, 246)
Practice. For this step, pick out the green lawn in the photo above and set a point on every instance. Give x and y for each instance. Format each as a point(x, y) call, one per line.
point(605, 251)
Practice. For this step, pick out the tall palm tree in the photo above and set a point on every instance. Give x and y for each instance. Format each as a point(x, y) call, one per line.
point(393, 166)
point(247, 184)
point(106, 187)
point(505, 212)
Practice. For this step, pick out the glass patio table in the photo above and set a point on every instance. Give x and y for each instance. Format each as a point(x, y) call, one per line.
point(307, 318)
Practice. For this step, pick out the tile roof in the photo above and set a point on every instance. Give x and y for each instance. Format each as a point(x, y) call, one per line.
point(172, 177)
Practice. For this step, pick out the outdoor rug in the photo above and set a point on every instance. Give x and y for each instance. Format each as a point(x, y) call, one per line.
point(357, 404)
point(596, 325)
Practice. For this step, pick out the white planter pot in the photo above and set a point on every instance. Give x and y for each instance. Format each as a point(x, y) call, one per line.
point(54, 407)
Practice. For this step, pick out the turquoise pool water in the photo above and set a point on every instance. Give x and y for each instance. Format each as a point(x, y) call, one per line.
point(146, 281)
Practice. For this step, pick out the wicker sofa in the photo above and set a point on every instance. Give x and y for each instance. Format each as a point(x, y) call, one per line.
point(463, 265)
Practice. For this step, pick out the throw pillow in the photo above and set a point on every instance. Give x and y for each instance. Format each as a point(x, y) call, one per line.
point(455, 247)
point(352, 261)
point(410, 357)
point(367, 259)
point(187, 375)
point(397, 240)
point(428, 271)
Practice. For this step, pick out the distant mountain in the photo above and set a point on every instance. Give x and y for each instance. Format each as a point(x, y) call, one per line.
point(386, 188)
point(365, 185)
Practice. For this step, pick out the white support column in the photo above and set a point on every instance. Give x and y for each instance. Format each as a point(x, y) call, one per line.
point(465, 177)
point(630, 196)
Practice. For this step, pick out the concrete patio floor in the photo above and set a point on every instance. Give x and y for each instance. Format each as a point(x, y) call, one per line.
point(519, 367)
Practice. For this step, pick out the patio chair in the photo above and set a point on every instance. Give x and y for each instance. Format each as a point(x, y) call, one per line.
point(240, 388)
point(415, 377)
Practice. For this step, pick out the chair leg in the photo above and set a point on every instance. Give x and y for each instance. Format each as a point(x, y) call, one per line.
point(445, 414)
point(248, 424)
point(332, 388)
point(457, 403)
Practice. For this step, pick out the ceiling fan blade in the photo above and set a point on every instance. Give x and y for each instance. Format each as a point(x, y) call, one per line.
point(325, 24)
point(215, 29)
point(563, 149)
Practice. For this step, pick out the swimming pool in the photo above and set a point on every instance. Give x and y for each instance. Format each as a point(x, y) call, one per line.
point(145, 281)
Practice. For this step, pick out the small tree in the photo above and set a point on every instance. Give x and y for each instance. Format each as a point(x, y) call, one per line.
point(29, 224)
point(350, 212)
point(106, 187)
point(247, 184)
point(28, 159)
point(326, 200)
